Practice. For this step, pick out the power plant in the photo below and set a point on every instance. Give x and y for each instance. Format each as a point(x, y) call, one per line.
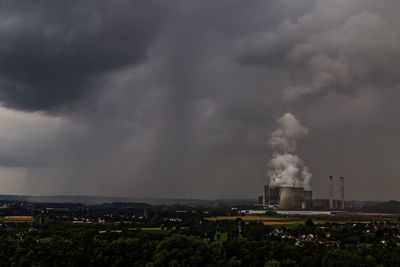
point(287, 197)
point(299, 198)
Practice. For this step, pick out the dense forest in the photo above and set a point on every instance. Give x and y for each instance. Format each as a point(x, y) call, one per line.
point(203, 244)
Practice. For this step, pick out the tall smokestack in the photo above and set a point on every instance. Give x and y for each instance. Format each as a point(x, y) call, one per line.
point(342, 191)
point(331, 192)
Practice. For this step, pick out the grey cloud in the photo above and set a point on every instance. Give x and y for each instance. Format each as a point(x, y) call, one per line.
point(188, 111)
point(160, 128)
point(26, 137)
point(51, 51)
point(336, 47)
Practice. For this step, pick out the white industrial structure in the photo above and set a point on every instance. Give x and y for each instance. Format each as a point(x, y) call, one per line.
point(287, 197)
point(297, 198)
point(334, 202)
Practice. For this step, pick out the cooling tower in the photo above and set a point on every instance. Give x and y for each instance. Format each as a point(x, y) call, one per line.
point(307, 201)
point(299, 196)
point(271, 195)
point(291, 198)
point(307, 195)
point(287, 198)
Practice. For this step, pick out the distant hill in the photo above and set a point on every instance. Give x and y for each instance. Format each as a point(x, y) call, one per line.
point(93, 200)
point(392, 206)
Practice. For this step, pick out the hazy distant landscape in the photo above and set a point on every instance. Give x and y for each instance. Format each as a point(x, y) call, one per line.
point(199, 133)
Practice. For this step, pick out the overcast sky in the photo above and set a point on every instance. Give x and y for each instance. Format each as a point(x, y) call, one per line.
point(179, 98)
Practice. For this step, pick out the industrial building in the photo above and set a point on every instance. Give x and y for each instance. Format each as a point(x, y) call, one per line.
point(271, 195)
point(335, 203)
point(287, 198)
point(298, 198)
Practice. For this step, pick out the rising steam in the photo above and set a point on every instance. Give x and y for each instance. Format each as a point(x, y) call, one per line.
point(286, 168)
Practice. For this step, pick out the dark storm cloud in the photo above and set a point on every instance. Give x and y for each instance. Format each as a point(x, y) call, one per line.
point(186, 95)
point(162, 127)
point(51, 50)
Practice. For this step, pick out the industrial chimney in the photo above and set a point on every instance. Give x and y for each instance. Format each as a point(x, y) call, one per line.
point(331, 192)
point(342, 191)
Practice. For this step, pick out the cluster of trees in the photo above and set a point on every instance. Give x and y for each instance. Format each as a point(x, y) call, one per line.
point(255, 246)
point(186, 238)
point(181, 250)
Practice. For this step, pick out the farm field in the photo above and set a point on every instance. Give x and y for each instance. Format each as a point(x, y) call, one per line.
point(283, 223)
point(248, 218)
point(17, 219)
point(266, 220)
point(293, 220)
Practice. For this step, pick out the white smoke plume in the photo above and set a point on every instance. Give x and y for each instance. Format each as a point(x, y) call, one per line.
point(338, 47)
point(286, 168)
point(289, 129)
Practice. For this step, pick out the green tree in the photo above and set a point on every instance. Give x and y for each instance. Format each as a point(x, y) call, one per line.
point(272, 263)
point(180, 250)
point(309, 223)
point(342, 258)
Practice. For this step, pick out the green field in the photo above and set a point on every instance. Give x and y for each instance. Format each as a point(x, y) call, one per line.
point(266, 220)
point(152, 230)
